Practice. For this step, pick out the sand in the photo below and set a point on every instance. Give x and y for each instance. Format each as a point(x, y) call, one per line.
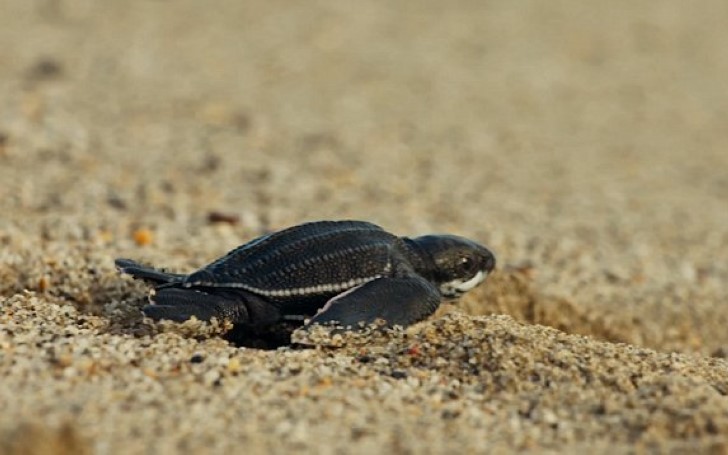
point(583, 142)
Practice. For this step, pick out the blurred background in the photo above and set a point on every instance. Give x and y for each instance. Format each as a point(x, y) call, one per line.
point(585, 142)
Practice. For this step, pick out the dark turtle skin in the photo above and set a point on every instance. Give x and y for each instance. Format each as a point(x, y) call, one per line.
point(348, 273)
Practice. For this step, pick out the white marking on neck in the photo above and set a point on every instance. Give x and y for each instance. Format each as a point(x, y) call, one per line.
point(457, 287)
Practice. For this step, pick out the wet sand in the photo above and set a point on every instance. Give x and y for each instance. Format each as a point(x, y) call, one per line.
point(584, 144)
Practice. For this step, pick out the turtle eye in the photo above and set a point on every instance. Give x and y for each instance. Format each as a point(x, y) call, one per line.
point(466, 264)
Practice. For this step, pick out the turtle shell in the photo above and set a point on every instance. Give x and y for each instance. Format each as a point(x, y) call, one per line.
point(310, 260)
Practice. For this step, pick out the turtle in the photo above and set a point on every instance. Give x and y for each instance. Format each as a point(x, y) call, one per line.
point(346, 273)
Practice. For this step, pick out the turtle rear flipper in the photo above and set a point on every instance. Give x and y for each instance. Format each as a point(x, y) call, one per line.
point(146, 273)
point(397, 301)
point(238, 307)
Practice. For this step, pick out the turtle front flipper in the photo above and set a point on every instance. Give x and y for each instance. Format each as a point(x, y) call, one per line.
point(146, 273)
point(236, 306)
point(396, 301)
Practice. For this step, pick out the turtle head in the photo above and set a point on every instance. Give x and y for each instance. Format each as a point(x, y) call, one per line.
point(458, 264)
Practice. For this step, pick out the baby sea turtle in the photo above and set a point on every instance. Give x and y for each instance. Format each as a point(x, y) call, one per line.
point(348, 273)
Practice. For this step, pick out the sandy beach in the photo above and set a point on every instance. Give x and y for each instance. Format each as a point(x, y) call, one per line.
point(584, 143)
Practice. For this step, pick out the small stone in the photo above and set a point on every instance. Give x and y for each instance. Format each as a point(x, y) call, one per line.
point(143, 237)
point(398, 374)
point(197, 358)
point(234, 366)
point(43, 283)
point(221, 217)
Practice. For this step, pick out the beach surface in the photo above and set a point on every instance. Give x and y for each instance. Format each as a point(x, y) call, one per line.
point(585, 143)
